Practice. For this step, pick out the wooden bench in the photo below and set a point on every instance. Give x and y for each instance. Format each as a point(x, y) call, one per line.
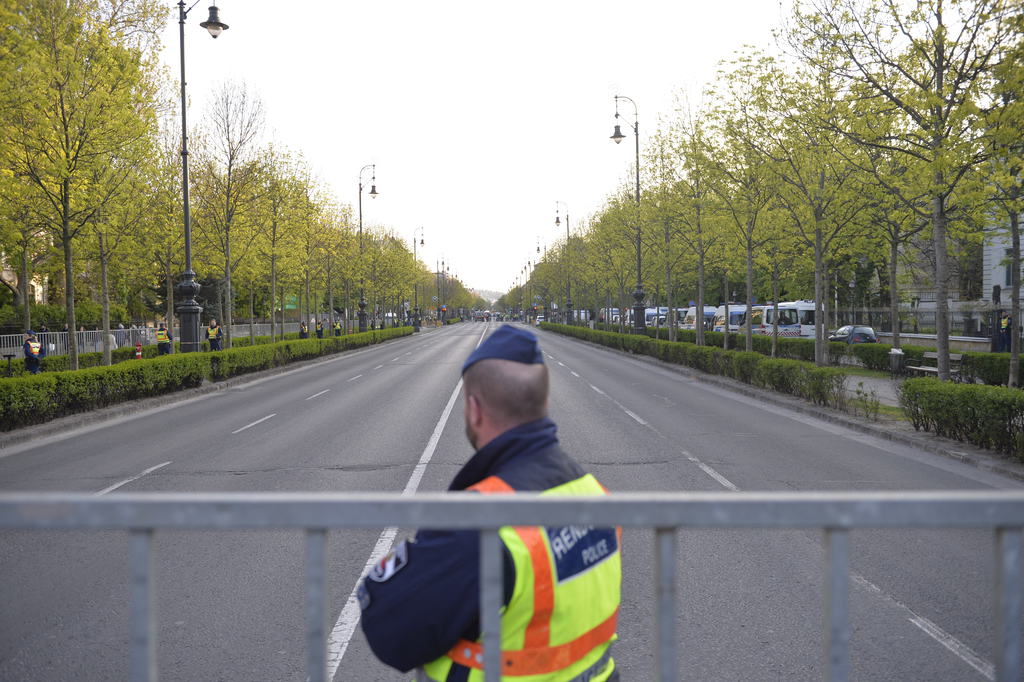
point(926, 370)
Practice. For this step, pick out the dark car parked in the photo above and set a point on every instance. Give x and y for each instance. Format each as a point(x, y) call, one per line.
point(854, 334)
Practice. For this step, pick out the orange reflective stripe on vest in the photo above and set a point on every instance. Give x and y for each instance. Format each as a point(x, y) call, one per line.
point(537, 656)
point(538, 660)
point(34, 347)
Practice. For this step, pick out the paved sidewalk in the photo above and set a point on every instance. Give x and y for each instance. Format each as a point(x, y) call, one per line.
point(884, 389)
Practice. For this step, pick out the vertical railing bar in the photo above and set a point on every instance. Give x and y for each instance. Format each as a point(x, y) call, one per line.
point(491, 590)
point(1008, 604)
point(143, 606)
point(316, 604)
point(837, 605)
point(665, 579)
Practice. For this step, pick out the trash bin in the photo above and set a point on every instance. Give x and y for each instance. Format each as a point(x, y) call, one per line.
point(897, 362)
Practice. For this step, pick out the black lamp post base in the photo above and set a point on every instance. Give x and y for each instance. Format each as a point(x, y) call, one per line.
point(189, 312)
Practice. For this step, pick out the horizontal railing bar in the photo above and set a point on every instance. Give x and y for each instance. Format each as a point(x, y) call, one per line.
point(966, 509)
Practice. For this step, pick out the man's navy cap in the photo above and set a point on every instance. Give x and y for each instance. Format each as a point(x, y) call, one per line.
point(508, 343)
point(29, 332)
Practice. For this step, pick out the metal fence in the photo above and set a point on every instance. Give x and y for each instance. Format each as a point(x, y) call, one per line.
point(92, 341)
point(835, 513)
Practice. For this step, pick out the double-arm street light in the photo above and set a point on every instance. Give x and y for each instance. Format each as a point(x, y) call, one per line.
point(188, 307)
point(415, 282)
point(568, 296)
point(372, 167)
point(639, 317)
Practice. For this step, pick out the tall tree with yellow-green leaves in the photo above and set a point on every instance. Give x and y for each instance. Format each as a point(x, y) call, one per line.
point(84, 115)
point(927, 65)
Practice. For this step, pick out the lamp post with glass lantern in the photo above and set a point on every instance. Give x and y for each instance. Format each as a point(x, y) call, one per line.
point(188, 307)
point(639, 319)
point(373, 195)
point(568, 296)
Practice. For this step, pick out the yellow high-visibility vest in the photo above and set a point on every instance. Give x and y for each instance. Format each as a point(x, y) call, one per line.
point(560, 621)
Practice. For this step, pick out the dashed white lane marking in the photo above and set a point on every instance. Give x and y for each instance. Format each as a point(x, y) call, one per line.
point(254, 423)
point(396, 359)
point(133, 478)
point(722, 480)
point(348, 620)
point(354, 378)
point(634, 415)
point(574, 374)
point(317, 395)
point(378, 367)
point(560, 363)
point(954, 645)
point(597, 389)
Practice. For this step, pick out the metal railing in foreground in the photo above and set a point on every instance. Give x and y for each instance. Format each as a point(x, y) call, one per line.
point(835, 513)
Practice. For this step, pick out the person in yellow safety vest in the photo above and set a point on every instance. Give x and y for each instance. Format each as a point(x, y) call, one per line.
point(421, 602)
point(337, 327)
point(163, 340)
point(319, 329)
point(1004, 333)
point(34, 351)
point(214, 334)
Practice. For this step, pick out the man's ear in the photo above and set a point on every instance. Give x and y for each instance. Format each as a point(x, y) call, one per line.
point(473, 410)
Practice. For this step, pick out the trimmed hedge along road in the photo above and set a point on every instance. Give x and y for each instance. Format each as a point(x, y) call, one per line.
point(820, 385)
point(987, 416)
point(34, 399)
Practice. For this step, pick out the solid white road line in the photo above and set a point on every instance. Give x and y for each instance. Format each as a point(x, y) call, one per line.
point(254, 423)
point(133, 478)
point(355, 377)
point(347, 621)
point(317, 395)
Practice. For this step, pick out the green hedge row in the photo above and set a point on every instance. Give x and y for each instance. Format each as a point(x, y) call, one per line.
point(820, 385)
point(60, 363)
point(34, 399)
point(988, 416)
point(992, 369)
point(788, 347)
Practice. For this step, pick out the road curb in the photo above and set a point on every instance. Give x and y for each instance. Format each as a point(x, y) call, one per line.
point(56, 427)
point(950, 449)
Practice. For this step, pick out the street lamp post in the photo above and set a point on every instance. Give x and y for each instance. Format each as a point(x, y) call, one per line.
point(568, 296)
point(188, 307)
point(415, 282)
point(639, 318)
point(373, 195)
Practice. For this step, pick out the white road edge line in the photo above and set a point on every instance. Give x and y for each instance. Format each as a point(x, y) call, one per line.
point(254, 423)
point(317, 395)
point(348, 619)
point(129, 480)
point(354, 378)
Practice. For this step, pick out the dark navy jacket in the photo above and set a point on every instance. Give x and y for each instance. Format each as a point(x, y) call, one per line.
point(432, 600)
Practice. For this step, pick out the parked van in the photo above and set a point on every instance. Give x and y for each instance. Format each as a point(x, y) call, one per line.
point(756, 318)
point(805, 316)
point(789, 320)
point(690, 318)
point(736, 312)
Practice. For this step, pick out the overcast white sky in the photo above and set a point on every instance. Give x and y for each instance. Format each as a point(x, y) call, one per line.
point(478, 115)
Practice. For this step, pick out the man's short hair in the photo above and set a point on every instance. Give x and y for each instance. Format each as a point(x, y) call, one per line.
point(510, 392)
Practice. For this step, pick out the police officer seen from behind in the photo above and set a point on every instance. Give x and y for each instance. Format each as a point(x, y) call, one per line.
point(421, 602)
point(337, 327)
point(319, 329)
point(35, 351)
point(163, 340)
point(214, 334)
